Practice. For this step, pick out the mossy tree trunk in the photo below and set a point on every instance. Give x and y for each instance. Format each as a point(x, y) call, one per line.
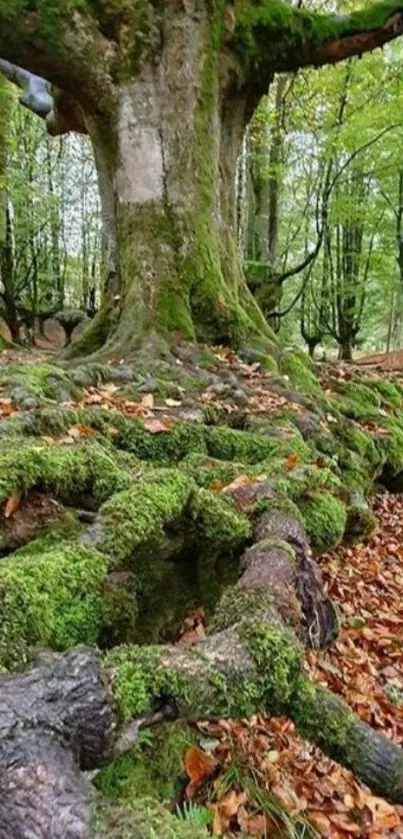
point(165, 92)
point(166, 160)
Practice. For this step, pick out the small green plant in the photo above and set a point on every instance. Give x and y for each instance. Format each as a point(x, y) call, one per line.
point(194, 813)
point(394, 694)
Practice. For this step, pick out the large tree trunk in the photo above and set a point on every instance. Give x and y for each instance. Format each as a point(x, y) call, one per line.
point(166, 162)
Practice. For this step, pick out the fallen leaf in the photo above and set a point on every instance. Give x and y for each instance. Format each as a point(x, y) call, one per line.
point(199, 766)
point(291, 462)
point(156, 426)
point(12, 505)
point(148, 401)
point(173, 403)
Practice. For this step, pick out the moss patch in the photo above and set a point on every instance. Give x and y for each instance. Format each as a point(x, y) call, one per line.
point(324, 519)
point(50, 599)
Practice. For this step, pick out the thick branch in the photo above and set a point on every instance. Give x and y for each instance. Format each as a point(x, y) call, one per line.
point(57, 42)
point(337, 37)
point(36, 94)
point(274, 36)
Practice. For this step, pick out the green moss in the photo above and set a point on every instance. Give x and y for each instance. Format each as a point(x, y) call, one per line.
point(390, 394)
point(278, 657)
point(44, 381)
point(94, 336)
point(360, 442)
point(290, 29)
point(324, 519)
point(138, 515)
point(324, 718)
point(155, 763)
point(230, 444)
point(303, 480)
point(238, 603)
point(62, 470)
point(206, 470)
point(144, 819)
point(141, 676)
point(51, 599)
point(168, 446)
point(282, 504)
point(391, 446)
point(217, 520)
point(361, 521)
point(296, 366)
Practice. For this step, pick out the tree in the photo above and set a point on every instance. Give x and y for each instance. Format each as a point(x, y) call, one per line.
point(165, 94)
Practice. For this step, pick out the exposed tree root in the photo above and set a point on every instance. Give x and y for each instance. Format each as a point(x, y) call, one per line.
point(156, 514)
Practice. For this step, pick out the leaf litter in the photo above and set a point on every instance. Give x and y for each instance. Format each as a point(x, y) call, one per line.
point(268, 765)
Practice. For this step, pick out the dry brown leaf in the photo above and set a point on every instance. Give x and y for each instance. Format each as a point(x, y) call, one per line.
point(255, 824)
point(199, 766)
point(12, 505)
point(148, 401)
point(291, 462)
point(156, 426)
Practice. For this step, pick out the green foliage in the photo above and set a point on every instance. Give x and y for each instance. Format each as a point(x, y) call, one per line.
point(154, 763)
point(145, 819)
point(279, 661)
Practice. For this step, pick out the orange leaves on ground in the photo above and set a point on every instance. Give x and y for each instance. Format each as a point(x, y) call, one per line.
point(199, 767)
point(226, 809)
point(192, 629)
point(291, 462)
point(7, 407)
point(366, 668)
point(12, 505)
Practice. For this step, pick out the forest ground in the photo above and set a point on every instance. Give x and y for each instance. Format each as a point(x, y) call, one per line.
point(252, 764)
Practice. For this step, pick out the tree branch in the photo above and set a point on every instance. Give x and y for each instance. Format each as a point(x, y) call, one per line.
point(57, 42)
point(336, 37)
point(273, 36)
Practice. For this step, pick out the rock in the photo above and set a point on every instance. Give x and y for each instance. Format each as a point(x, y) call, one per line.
point(18, 394)
point(149, 386)
point(30, 403)
point(192, 415)
point(229, 377)
point(62, 391)
point(239, 397)
point(123, 373)
point(80, 377)
point(218, 388)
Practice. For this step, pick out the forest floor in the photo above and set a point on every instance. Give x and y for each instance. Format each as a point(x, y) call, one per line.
point(262, 759)
point(365, 667)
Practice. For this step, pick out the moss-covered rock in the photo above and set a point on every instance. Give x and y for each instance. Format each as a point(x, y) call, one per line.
point(137, 516)
point(296, 366)
point(65, 470)
point(38, 381)
point(325, 520)
point(361, 521)
point(217, 521)
point(49, 598)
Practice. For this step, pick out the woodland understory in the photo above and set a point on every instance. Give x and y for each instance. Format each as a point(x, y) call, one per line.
point(162, 530)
